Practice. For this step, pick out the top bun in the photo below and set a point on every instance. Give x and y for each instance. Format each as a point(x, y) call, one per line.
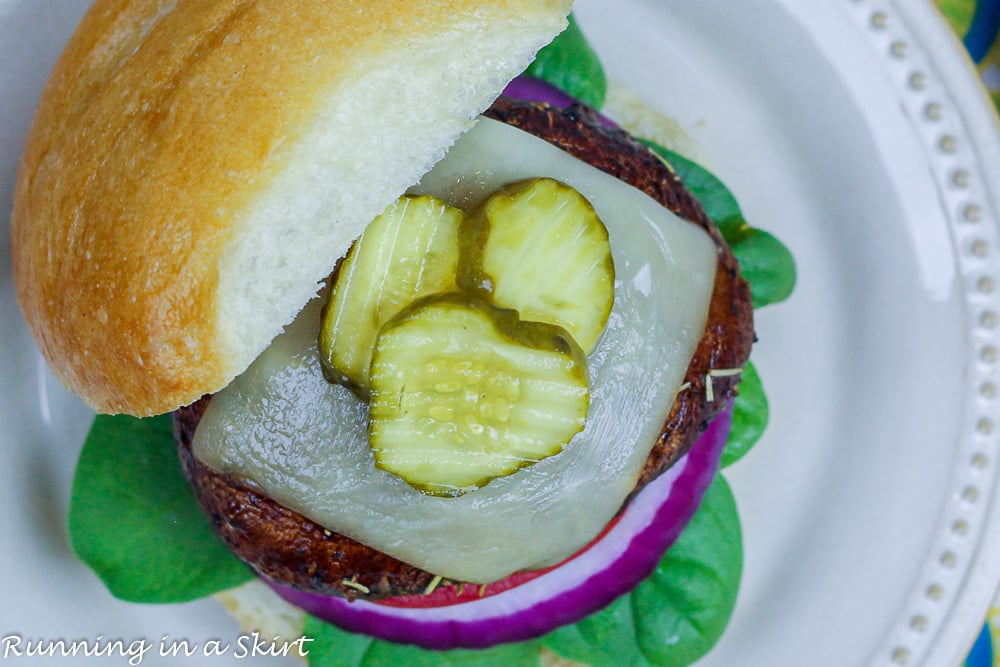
point(196, 167)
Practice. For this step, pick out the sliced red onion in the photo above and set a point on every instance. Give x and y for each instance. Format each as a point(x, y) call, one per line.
point(530, 88)
point(588, 581)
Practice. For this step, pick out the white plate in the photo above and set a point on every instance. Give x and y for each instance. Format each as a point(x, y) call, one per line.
point(853, 129)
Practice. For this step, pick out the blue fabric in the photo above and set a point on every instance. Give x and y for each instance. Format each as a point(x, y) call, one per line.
point(984, 29)
point(982, 651)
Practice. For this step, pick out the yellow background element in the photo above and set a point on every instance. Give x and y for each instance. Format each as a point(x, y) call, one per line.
point(994, 624)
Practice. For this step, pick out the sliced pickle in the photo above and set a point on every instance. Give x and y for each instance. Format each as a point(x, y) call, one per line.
point(463, 392)
point(409, 251)
point(538, 247)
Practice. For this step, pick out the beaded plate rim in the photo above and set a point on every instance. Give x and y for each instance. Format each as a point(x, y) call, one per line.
point(961, 567)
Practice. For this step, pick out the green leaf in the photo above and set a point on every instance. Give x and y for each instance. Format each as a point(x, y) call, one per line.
point(674, 617)
point(570, 64)
point(719, 203)
point(767, 265)
point(765, 262)
point(134, 520)
point(605, 638)
point(750, 415)
point(959, 13)
point(332, 647)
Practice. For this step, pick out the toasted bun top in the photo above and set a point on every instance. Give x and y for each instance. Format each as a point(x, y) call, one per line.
point(196, 167)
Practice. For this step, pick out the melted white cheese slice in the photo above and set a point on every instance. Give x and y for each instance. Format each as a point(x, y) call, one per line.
point(302, 441)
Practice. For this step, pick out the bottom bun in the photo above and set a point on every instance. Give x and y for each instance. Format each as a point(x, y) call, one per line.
point(258, 609)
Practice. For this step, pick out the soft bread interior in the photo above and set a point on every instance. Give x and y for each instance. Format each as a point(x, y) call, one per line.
point(292, 231)
point(197, 167)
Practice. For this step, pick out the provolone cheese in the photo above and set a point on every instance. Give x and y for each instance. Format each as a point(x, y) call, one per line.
point(303, 441)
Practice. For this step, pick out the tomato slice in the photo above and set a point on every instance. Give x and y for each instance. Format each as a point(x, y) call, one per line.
point(452, 594)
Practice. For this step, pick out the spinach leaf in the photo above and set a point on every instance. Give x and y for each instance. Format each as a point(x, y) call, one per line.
point(750, 415)
point(332, 647)
point(605, 638)
point(767, 265)
point(570, 64)
point(134, 520)
point(674, 617)
point(719, 203)
point(765, 262)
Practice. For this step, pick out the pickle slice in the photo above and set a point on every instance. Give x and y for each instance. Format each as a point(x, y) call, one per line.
point(463, 392)
point(538, 247)
point(409, 251)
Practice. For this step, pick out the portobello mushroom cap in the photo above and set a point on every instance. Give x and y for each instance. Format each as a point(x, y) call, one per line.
point(287, 548)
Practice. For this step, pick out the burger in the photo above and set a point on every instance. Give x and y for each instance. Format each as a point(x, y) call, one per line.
point(444, 366)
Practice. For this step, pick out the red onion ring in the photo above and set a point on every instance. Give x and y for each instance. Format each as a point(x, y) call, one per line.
point(586, 582)
point(532, 89)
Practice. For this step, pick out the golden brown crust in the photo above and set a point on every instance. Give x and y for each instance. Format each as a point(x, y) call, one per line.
point(284, 546)
point(161, 123)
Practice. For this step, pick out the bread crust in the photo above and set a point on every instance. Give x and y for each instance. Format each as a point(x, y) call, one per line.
point(286, 547)
point(162, 125)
